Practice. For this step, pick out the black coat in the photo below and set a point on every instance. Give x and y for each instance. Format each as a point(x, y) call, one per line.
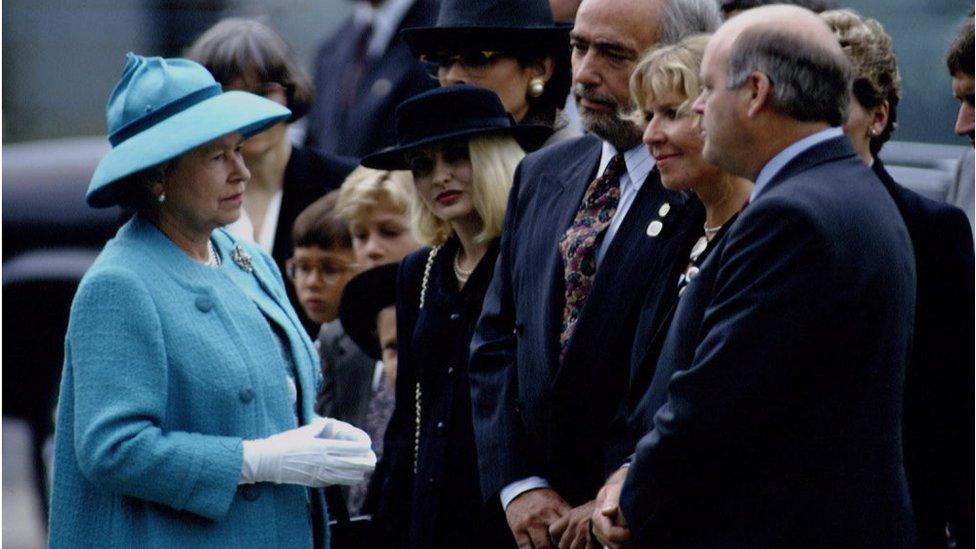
point(533, 415)
point(386, 82)
point(309, 175)
point(782, 374)
point(938, 416)
point(442, 505)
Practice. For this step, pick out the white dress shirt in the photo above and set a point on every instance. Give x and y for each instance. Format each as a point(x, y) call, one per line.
point(385, 20)
point(784, 156)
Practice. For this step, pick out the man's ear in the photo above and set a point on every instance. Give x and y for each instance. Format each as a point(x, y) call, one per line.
point(760, 90)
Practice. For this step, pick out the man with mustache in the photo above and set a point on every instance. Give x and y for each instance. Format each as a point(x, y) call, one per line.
point(587, 230)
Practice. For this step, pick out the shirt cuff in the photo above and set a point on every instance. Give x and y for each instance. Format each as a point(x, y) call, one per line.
point(519, 487)
point(377, 376)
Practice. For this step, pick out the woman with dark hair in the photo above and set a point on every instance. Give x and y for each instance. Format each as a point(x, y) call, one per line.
point(937, 429)
point(247, 55)
point(462, 149)
point(511, 47)
point(185, 416)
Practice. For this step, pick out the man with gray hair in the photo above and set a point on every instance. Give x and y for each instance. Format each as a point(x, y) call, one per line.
point(776, 405)
point(585, 230)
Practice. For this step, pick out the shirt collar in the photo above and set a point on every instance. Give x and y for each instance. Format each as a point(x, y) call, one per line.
point(638, 159)
point(784, 156)
point(385, 20)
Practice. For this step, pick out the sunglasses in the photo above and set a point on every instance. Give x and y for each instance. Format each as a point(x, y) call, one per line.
point(421, 162)
point(331, 271)
point(474, 62)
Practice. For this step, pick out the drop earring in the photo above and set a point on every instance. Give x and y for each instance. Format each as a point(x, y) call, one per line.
point(536, 87)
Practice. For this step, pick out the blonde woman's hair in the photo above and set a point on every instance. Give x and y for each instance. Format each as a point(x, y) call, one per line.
point(876, 77)
point(365, 189)
point(665, 70)
point(493, 162)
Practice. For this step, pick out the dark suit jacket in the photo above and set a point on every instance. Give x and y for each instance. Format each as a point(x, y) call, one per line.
point(533, 416)
point(309, 175)
point(347, 376)
point(783, 373)
point(653, 321)
point(386, 82)
point(938, 417)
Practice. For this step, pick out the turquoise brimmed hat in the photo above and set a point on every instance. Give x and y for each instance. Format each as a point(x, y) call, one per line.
point(162, 108)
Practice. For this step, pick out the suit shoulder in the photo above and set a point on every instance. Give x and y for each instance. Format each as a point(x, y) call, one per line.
point(946, 223)
point(414, 263)
point(555, 156)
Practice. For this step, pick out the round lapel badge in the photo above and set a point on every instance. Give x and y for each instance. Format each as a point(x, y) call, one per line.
point(654, 228)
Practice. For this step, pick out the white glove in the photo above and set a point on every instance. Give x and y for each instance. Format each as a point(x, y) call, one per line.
point(299, 456)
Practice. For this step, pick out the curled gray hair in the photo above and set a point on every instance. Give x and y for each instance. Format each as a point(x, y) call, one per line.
point(683, 18)
point(809, 83)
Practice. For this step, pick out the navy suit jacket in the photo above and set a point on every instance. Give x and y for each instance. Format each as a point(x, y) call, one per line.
point(386, 82)
point(938, 417)
point(780, 423)
point(533, 416)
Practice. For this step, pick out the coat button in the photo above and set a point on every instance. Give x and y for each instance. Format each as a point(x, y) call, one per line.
point(250, 493)
point(455, 316)
point(440, 427)
point(246, 395)
point(450, 369)
point(204, 304)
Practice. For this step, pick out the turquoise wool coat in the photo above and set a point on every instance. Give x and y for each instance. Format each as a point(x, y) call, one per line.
point(169, 365)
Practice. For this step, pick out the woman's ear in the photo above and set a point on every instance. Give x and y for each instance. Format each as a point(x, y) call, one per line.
point(879, 118)
point(542, 69)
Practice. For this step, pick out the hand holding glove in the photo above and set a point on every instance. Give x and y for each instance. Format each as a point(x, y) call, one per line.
point(303, 456)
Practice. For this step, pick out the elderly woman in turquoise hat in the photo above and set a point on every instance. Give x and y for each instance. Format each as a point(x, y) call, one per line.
point(185, 414)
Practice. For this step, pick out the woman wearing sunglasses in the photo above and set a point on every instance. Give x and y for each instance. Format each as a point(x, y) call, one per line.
point(462, 166)
point(247, 55)
point(511, 47)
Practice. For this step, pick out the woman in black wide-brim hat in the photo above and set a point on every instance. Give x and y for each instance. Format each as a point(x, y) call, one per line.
point(511, 47)
point(463, 165)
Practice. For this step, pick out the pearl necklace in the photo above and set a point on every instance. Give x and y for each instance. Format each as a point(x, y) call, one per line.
point(460, 274)
point(213, 258)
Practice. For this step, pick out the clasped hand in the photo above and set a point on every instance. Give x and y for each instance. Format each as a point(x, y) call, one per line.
point(324, 452)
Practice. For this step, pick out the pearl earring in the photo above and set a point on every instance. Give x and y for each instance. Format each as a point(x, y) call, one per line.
point(161, 198)
point(536, 87)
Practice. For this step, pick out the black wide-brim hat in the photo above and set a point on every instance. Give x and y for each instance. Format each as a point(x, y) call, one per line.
point(451, 112)
point(495, 25)
point(363, 298)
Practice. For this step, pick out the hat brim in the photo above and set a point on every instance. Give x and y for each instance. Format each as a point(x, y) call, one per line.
point(427, 40)
point(229, 112)
point(529, 136)
point(363, 298)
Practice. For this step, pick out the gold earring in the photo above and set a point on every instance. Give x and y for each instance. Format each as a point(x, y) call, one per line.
point(536, 87)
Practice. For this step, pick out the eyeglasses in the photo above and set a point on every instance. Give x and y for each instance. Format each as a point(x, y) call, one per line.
point(475, 62)
point(330, 270)
point(264, 89)
point(421, 162)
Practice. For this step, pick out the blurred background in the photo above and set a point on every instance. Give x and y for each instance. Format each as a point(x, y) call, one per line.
point(60, 61)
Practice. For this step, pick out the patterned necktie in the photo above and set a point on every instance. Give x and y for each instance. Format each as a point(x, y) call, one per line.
point(578, 245)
